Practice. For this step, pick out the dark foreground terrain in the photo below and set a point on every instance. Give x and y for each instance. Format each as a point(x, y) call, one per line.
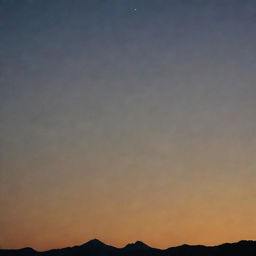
point(97, 248)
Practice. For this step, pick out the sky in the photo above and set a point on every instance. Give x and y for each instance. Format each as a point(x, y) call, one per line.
point(127, 120)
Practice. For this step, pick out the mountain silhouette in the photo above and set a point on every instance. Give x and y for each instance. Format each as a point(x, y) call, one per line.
point(137, 245)
point(94, 242)
point(97, 248)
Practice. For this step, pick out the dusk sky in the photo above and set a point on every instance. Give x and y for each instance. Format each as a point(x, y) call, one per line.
point(127, 120)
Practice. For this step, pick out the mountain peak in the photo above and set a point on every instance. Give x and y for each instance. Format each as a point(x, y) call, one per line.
point(28, 249)
point(137, 245)
point(94, 242)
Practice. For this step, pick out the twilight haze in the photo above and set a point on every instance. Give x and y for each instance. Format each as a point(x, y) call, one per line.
point(127, 120)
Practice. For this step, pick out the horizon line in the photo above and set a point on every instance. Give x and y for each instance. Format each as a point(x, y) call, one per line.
point(137, 241)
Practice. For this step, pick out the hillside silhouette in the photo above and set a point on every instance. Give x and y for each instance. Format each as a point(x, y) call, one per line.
point(97, 248)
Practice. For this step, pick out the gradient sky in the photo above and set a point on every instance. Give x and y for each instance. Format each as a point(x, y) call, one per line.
point(127, 120)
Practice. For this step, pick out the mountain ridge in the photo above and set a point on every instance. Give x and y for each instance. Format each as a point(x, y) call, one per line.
point(96, 247)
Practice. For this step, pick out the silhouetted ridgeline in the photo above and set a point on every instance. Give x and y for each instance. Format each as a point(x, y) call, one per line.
point(97, 248)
